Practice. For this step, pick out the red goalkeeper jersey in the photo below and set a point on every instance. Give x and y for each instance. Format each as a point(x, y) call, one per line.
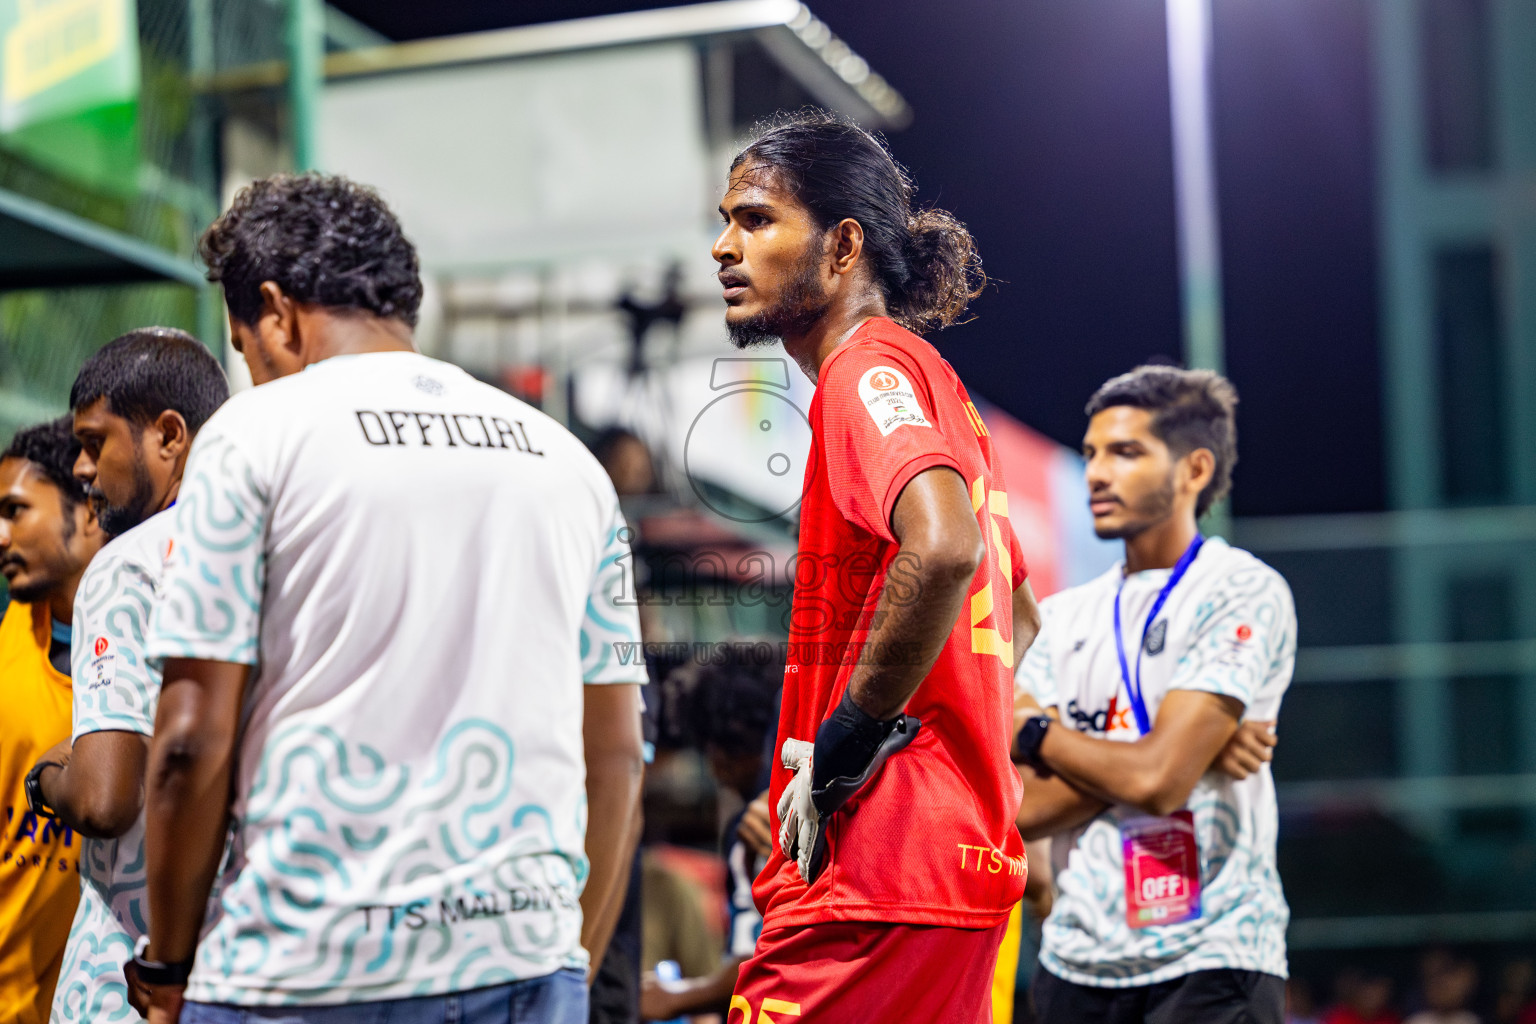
point(931, 840)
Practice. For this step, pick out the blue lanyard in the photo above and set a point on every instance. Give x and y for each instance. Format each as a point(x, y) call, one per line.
point(1133, 687)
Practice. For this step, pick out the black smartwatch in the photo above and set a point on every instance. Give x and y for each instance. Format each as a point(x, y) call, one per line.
point(1027, 743)
point(33, 785)
point(153, 972)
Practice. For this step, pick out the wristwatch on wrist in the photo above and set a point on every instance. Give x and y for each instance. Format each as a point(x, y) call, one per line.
point(1027, 743)
point(33, 785)
point(153, 972)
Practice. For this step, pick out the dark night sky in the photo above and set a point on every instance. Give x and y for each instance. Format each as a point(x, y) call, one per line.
point(1044, 125)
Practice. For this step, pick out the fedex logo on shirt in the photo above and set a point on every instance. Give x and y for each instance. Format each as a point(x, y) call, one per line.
point(1115, 718)
point(890, 400)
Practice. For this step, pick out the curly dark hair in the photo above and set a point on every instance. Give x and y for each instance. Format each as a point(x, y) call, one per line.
point(322, 238)
point(725, 699)
point(736, 703)
point(1190, 409)
point(925, 261)
point(52, 448)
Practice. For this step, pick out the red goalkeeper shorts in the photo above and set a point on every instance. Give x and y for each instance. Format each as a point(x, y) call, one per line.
point(849, 972)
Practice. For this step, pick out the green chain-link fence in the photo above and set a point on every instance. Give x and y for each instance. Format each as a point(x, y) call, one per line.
point(146, 169)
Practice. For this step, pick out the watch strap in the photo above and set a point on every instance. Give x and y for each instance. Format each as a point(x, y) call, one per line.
point(155, 972)
point(33, 786)
point(1027, 742)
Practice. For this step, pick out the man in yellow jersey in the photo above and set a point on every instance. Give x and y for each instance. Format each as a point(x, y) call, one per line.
point(47, 538)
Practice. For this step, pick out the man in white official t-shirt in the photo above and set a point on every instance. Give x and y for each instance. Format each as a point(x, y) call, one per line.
point(388, 624)
point(1148, 767)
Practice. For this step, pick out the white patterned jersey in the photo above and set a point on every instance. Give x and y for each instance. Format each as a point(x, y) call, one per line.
point(1228, 628)
point(115, 690)
point(423, 571)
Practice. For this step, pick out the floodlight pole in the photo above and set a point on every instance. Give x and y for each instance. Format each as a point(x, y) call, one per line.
point(1194, 177)
point(1194, 174)
point(306, 71)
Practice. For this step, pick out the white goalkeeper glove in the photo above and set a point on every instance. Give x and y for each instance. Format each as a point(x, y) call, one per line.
point(850, 748)
point(798, 821)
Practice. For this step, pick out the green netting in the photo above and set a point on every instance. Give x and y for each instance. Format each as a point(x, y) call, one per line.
point(46, 335)
point(146, 168)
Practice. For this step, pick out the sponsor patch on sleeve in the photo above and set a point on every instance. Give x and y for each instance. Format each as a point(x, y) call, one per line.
point(890, 400)
point(102, 670)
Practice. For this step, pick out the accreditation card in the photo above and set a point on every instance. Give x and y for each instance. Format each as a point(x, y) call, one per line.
point(1162, 869)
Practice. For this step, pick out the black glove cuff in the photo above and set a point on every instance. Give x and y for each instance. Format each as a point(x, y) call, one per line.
point(846, 742)
point(850, 749)
point(1027, 743)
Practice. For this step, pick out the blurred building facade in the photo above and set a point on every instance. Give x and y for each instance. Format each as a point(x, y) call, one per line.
point(1408, 754)
point(109, 171)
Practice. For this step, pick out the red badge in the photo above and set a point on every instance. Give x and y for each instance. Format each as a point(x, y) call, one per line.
point(1244, 633)
point(883, 381)
point(101, 646)
point(1162, 869)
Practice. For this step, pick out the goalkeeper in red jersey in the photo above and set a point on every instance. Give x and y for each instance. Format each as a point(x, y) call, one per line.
point(894, 798)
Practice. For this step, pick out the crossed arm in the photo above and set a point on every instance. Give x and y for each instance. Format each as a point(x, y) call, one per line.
point(1195, 732)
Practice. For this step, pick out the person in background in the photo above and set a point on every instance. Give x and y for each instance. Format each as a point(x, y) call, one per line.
point(1362, 999)
point(733, 711)
point(47, 538)
point(1299, 1007)
point(677, 927)
point(615, 992)
point(1448, 983)
point(626, 460)
point(138, 403)
point(1517, 982)
point(1169, 905)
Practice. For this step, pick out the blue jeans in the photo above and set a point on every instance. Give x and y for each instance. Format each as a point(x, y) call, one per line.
point(559, 998)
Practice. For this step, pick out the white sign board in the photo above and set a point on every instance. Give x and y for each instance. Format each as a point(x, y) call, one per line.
point(533, 160)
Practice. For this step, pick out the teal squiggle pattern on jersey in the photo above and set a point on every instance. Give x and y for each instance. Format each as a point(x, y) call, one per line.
point(1212, 662)
point(1234, 635)
point(221, 518)
point(1237, 911)
point(612, 615)
point(114, 690)
point(462, 885)
point(1036, 674)
point(91, 983)
point(114, 604)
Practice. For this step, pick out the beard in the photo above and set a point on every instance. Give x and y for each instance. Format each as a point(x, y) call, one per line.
point(1141, 516)
point(32, 592)
point(801, 305)
point(117, 520)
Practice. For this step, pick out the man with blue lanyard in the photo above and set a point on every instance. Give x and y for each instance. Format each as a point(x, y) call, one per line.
point(1141, 767)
